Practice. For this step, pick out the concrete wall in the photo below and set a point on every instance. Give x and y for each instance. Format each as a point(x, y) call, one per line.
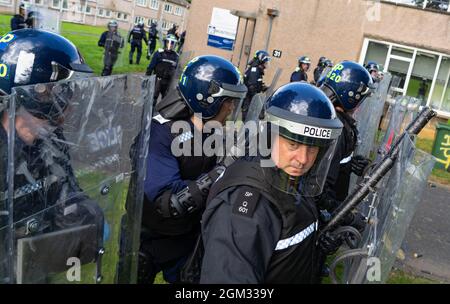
point(335, 29)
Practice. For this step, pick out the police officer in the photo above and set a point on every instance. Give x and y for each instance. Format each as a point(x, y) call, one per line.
point(260, 223)
point(18, 20)
point(135, 39)
point(182, 38)
point(164, 64)
point(374, 69)
point(253, 78)
point(152, 37)
point(319, 69)
point(112, 42)
point(347, 85)
point(44, 183)
point(346, 93)
point(300, 72)
point(173, 31)
point(176, 187)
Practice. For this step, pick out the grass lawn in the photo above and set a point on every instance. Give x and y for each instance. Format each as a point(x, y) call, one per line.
point(438, 175)
point(85, 37)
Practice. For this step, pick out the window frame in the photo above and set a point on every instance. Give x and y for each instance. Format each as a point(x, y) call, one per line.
point(412, 61)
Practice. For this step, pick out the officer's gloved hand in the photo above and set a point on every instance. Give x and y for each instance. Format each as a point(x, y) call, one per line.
point(359, 164)
point(355, 219)
point(329, 243)
point(326, 202)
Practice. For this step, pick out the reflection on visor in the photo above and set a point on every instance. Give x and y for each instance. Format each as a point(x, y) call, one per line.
point(235, 91)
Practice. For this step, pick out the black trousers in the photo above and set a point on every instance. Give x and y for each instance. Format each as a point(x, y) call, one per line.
point(136, 45)
point(109, 60)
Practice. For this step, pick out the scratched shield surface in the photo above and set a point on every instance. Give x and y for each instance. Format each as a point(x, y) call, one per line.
point(74, 192)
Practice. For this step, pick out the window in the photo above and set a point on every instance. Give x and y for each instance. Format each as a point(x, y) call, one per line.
point(100, 12)
point(420, 73)
point(89, 10)
point(154, 4)
point(138, 19)
point(440, 5)
point(178, 11)
point(141, 2)
point(107, 13)
point(6, 1)
point(422, 76)
point(165, 25)
point(150, 21)
point(57, 4)
point(440, 98)
point(168, 8)
point(122, 16)
point(38, 2)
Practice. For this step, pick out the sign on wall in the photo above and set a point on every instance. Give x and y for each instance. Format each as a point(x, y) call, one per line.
point(277, 53)
point(222, 29)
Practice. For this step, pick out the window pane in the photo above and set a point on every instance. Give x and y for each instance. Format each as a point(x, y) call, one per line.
point(441, 5)
point(376, 52)
point(441, 91)
point(399, 68)
point(422, 76)
point(402, 52)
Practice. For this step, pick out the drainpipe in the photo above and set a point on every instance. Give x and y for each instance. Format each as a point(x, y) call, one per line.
point(272, 13)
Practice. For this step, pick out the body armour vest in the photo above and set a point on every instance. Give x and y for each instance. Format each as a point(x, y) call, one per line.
point(294, 258)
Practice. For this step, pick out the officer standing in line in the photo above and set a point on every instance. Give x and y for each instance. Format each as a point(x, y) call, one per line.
point(374, 69)
point(112, 41)
point(347, 85)
point(164, 64)
point(47, 197)
point(260, 223)
point(300, 72)
point(176, 187)
point(319, 69)
point(152, 37)
point(135, 39)
point(18, 20)
point(253, 78)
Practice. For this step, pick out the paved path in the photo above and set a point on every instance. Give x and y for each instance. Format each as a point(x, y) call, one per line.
point(429, 236)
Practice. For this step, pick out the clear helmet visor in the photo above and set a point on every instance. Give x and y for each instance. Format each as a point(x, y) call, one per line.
point(288, 175)
point(301, 151)
point(171, 44)
point(233, 95)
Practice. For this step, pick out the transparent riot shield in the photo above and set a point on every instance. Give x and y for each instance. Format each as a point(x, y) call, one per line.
point(43, 18)
point(368, 117)
point(392, 206)
point(75, 174)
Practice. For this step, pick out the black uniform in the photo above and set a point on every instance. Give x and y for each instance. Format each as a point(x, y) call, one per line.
point(338, 179)
point(253, 79)
point(299, 75)
point(152, 36)
point(112, 42)
point(255, 233)
point(18, 22)
point(135, 38)
point(38, 188)
point(182, 38)
point(166, 242)
point(317, 72)
point(163, 64)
